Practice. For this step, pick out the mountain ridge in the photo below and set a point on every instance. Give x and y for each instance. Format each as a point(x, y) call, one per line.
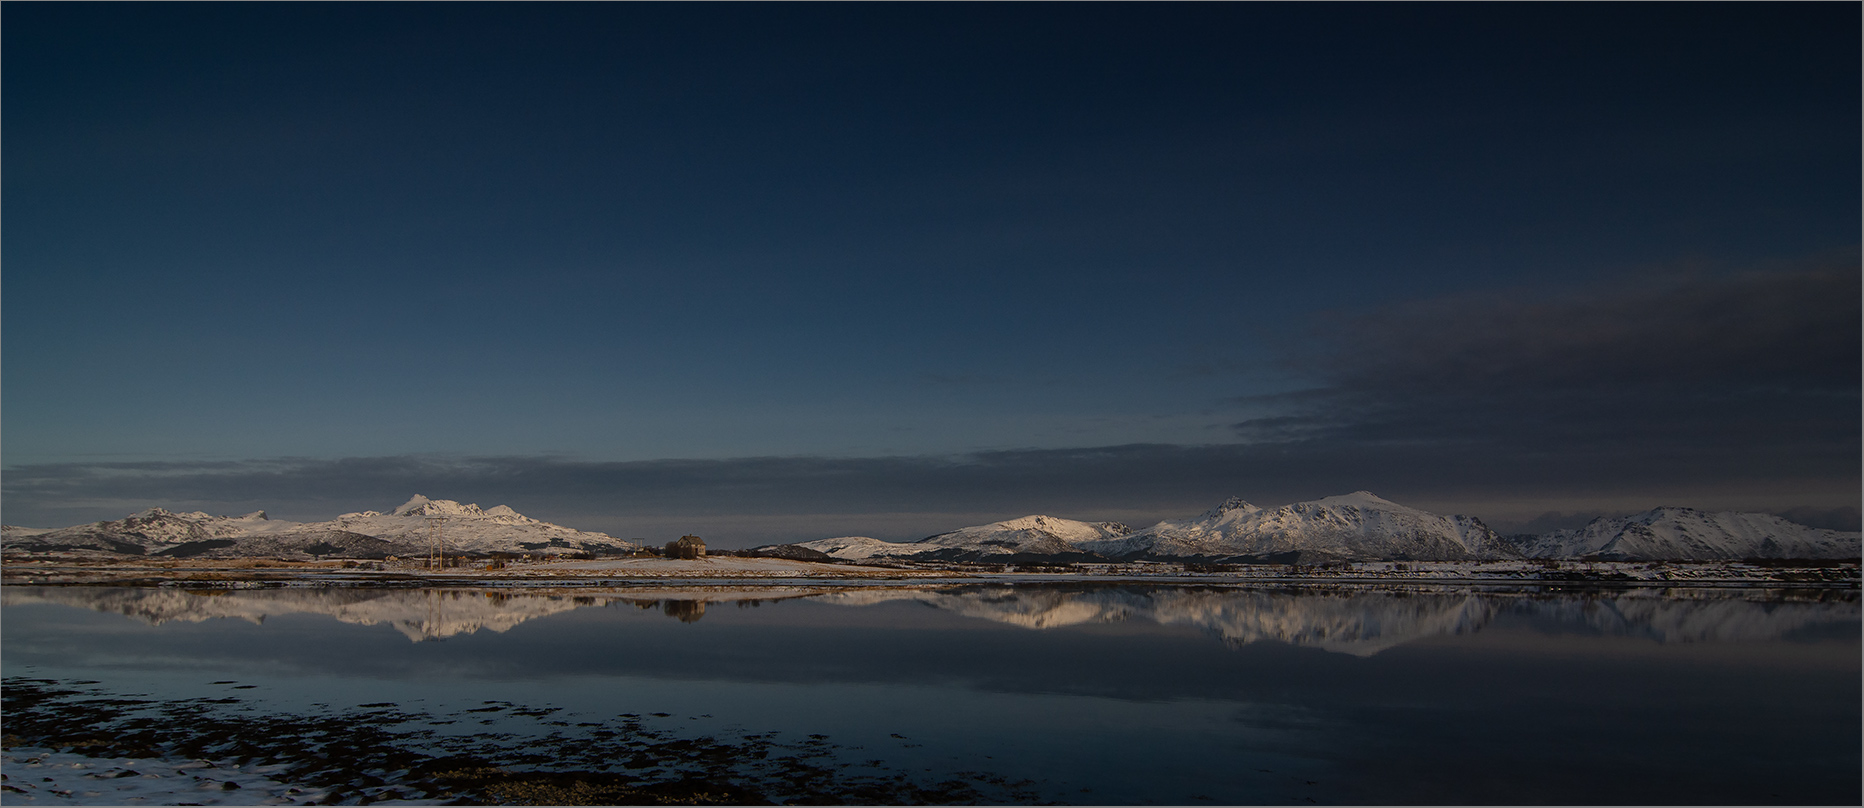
point(1359, 526)
point(1669, 531)
point(1022, 538)
point(365, 534)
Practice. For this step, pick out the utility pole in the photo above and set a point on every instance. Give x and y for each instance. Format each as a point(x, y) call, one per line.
point(436, 551)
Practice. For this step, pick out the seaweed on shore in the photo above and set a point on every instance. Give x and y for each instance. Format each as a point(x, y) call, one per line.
point(376, 752)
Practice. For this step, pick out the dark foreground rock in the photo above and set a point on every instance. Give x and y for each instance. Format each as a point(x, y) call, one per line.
point(380, 751)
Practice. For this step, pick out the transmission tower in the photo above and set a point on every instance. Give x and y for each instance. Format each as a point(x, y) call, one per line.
point(436, 550)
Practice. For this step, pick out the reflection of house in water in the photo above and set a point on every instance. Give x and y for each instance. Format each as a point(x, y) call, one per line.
point(686, 547)
point(685, 611)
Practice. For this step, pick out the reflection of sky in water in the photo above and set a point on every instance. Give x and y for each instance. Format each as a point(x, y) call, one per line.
point(1141, 694)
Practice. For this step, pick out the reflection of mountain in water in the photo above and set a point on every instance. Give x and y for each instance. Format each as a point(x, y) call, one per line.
point(1351, 621)
point(1364, 623)
point(420, 614)
point(1673, 620)
point(1355, 623)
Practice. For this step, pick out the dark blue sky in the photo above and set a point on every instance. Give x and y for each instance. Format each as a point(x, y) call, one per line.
point(620, 263)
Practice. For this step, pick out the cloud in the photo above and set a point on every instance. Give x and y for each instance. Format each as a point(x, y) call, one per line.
point(1733, 391)
point(1757, 369)
point(1784, 328)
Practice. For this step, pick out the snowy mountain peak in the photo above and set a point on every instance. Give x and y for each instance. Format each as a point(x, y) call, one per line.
point(414, 503)
point(422, 506)
point(1231, 504)
point(1662, 512)
point(1034, 521)
point(1360, 499)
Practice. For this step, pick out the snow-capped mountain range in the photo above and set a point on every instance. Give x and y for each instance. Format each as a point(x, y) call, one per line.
point(1357, 527)
point(1662, 533)
point(1351, 527)
point(367, 534)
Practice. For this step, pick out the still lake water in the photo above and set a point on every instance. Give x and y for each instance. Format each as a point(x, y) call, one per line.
point(1095, 694)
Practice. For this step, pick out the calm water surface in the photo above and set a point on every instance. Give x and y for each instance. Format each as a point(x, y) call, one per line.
point(1097, 694)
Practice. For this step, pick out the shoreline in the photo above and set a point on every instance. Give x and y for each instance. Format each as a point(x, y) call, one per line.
point(736, 572)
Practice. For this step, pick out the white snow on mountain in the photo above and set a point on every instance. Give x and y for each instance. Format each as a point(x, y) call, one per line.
point(469, 529)
point(858, 548)
point(1350, 527)
point(465, 528)
point(1036, 535)
point(1361, 527)
point(1356, 526)
point(1688, 534)
point(152, 530)
point(1029, 535)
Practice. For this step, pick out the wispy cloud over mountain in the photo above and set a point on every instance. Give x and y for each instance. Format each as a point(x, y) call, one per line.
point(1694, 379)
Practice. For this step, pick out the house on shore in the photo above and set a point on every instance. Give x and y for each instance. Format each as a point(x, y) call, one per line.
point(686, 547)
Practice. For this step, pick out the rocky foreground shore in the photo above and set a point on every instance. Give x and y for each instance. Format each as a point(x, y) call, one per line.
point(69, 743)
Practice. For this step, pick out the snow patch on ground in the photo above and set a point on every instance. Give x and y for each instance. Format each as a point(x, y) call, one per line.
point(37, 776)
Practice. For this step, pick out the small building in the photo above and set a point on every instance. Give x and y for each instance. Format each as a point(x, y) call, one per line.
point(686, 547)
